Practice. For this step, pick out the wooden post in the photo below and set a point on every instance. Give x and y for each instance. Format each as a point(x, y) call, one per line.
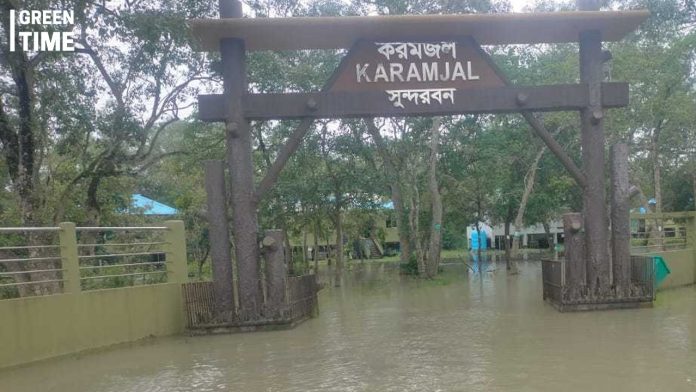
point(175, 237)
point(574, 243)
point(275, 269)
point(223, 277)
point(593, 140)
point(620, 219)
point(70, 263)
point(239, 159)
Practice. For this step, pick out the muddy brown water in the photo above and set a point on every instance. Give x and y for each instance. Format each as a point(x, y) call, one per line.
point(474, 328)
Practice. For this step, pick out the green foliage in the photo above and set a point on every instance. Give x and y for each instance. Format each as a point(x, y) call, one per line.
point(410, 268)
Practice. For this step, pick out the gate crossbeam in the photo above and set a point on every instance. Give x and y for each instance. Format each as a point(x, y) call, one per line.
point(373, 104)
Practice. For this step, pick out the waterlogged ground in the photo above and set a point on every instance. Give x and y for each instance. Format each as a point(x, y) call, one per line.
point(473, 329)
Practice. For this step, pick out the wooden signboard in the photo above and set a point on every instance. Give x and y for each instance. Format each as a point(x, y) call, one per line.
point(416, 73)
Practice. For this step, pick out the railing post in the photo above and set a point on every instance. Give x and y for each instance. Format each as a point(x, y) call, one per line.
point(175, 237)
point(70, 262)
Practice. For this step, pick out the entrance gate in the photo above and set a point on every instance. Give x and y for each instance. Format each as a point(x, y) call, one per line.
point(421, 65)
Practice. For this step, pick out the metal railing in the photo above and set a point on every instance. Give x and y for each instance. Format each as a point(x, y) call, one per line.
point(68, 259)
point(143, 261)
point(643, 273)
point(300, 302)
point(662, 232)
point(30, 262)
point(553, 278)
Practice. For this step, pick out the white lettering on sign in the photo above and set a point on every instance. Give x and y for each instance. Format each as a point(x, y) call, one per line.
point(417, 62)
point(404, 50)
point(415, 72)
point(420, 96)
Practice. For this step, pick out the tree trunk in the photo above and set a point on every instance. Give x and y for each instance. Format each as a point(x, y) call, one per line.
point(218, 227)
point(339, 245)
point(652, 233)
point(396, 195)
point(657, 169)
point(275, 271)
point(415, 230)
point(529, 180)
point(404, 243)
point(549, 237)
point(693, 176)
point(329, 249)
point(305, 253)
point(574, 243)
point(436, 227)
point(288, 249)
point(620, 219)
point(315, 255)
point(508, 260)
point(657, 232)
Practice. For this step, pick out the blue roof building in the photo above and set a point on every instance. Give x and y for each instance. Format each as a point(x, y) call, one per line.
point(149, 206)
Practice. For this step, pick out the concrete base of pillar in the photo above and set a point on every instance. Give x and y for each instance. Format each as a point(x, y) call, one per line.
point(571, 296)
point(584, 307)
point(222, 329)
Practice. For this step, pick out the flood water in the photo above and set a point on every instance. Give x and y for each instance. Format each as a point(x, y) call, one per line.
point(472, 329)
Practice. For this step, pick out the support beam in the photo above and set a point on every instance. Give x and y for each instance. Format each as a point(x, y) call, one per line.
point(620, 219)
point(593, 141)
point(240, 161)
point(509, 99)
point(556, 149)
point(289, 148)
point(223, 287)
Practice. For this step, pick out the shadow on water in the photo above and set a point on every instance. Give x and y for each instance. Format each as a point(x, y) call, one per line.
point(472, 328)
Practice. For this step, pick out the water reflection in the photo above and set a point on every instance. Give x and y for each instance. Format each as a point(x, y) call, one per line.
point(480, 263)
point(472, 328)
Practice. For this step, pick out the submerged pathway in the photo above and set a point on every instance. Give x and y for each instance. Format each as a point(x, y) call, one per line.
point(383, 332)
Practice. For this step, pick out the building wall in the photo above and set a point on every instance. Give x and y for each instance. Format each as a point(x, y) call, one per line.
point(391, 234)
point(528, 234)
point(37, 328)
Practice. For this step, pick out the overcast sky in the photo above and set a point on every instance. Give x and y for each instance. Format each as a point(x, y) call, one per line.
point(518, 5)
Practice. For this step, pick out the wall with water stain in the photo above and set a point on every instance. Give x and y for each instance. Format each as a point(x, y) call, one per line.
point(38, 328)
